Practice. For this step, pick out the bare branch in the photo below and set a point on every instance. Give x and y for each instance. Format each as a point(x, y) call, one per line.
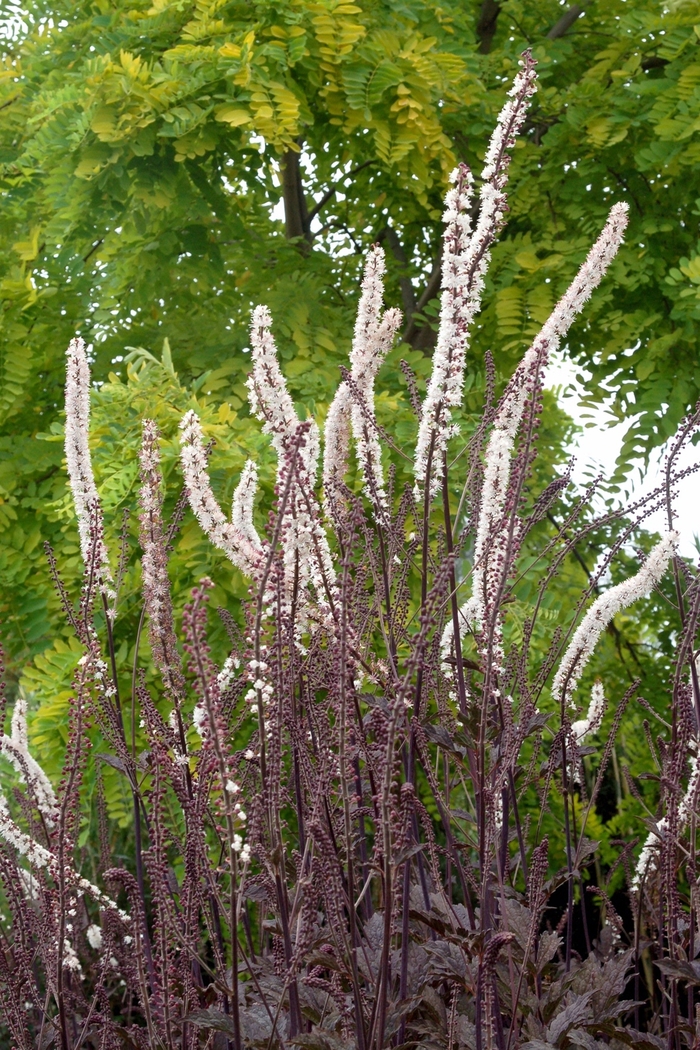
point(565, 22)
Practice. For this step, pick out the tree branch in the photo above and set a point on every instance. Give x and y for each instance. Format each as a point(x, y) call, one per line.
point(296, 217)
point(334, 189)
point(486, 26)
point(565, 22)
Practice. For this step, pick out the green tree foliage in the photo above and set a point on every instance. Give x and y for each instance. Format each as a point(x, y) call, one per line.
point(167, 165)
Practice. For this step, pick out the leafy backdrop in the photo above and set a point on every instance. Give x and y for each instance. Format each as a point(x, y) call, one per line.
point(166, 166)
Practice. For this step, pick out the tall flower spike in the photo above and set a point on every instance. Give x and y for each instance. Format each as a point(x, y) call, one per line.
point(372, 340)
point(464, 264)
point(307, 557)
point(603, 610)
point(242, 507)
point(154, 565)
point(336, 447)
point(490, 539)
point(82, 481)
point(16, 748)
point(223, 534)
point(269, 398)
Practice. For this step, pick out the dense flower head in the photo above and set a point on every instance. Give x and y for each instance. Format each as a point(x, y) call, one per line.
point(352, 408)
point(466, 256)
point(16, 749)
point(82, 481)
point(605, 607)
point(235, 544)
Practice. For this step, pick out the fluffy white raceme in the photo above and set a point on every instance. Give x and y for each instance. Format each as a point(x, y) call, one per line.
point(603, 610)
point(651, 845)
point(464, 264)
point(336, 446)
point(16, 748)
point(269, 398)
point(242, 507)
point(82, 481)
point(466, 618)
point(235, 543)
point(30, 884)
point(594, 716)
point(492, 535)
point(39, 857)
point(199, 720)
point(306, 553)
point(459, 302)
point(372, 340)
point(308, 565)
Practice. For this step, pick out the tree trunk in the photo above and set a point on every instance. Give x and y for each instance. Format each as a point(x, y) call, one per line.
point(486, 26)
point(296, 216)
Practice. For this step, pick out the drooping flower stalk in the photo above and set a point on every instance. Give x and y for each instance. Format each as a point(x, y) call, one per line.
point(601, 613)
point(594, 716)
point(493, 531)
point(82, 480)
point(223, 534)
point(373, 336)
point(16, 748)
point(464, 264)
point(39, 857)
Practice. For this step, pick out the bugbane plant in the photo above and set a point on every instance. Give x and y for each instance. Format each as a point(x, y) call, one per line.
point(339, 835)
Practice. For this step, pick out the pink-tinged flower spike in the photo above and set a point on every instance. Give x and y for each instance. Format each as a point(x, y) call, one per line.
point(154, 566)
point(464, 264)
point(489, 552)
point(353, 405)
point(336, 447)
point(82, 481)
point(372, 341)
point(269, 398)
point(307, 557)
point(242, 507)
point(603, 610)
point(16, 748)
point(223, 534)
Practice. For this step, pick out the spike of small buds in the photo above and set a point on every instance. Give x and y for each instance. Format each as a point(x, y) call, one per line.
point(465, 261)
point(82, 480)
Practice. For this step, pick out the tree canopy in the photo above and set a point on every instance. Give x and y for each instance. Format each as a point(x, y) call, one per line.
point(165, 166)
